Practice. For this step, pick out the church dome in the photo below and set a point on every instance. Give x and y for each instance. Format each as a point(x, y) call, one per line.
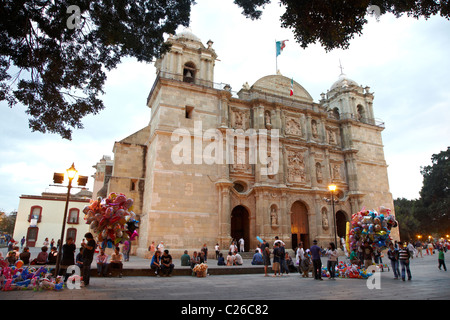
point(187, 34)
point(280, 86)
point(343, 82)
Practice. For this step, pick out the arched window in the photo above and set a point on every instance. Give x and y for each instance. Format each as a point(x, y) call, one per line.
point(35, 213)
point(336, 114)
point(361, 112)
point(189, 71)
point(73, 216)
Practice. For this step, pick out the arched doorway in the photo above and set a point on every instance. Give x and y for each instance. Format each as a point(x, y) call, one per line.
point(341, 221)
point(240, 225)
point(32, 235)
point(299, 224)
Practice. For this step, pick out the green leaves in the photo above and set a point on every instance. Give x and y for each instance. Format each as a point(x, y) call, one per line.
point(57, 72)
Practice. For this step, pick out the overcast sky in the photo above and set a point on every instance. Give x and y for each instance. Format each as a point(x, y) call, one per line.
point(404, 62)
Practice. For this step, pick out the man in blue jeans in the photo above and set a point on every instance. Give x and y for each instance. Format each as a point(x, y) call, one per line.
point(317, 263)
point(393, 256)
point(403, 256)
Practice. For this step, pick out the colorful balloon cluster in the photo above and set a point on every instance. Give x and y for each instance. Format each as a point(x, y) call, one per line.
point(112, 219)
point(26, 278)
point(373, 227)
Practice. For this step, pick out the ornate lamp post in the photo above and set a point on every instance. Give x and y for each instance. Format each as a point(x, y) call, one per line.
point(59, 178)
point(332, 188)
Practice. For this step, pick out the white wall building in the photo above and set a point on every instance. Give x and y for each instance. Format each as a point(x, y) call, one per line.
point(40, 217)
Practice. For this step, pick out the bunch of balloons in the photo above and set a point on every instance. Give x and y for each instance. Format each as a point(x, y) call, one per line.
point(112, 219)
point(372, 227)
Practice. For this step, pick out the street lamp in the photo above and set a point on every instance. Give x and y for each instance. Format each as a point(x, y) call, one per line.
point(71, 173)
point(332, 188)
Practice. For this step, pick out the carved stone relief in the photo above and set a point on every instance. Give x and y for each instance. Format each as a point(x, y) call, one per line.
point(293, 126)
point(239, 119)
point(296, 167)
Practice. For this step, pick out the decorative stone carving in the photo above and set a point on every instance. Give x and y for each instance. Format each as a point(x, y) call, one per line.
point(240, 163)
point(296, 167)
point(336, 170)
point(239, 119)
point(293, 126)
point(331, 136)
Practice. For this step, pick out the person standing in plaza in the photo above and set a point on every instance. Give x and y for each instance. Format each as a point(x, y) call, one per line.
point(419, 249)
point(241, 245)
point(151, 248)
point(403, 256)
point(441, 259)
point(317, 263)
point(204, 249)
point(276, 259)
point(266, 259)
point(299, 256)
point(393, 256)
point(217, 249)
point(88, 257)
point(68, 257)
point(332, 260)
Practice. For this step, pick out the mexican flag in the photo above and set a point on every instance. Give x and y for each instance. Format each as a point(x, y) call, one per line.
point(292, 87)
point(280, 46)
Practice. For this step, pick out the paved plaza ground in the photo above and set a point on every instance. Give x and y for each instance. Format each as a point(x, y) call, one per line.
point(428, 283)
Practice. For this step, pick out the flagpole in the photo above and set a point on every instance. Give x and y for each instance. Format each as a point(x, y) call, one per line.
point(276, 57)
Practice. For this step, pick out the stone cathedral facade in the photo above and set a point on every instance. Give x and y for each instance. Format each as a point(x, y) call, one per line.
point(334, 141)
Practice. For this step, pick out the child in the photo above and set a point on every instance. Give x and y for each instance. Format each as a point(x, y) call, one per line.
point(306, 264)
point(441, 259)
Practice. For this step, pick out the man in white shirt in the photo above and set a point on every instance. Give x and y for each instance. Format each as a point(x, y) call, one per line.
point(241, 245)
point(238, 259)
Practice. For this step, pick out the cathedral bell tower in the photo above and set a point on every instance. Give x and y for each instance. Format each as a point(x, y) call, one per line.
point(188, 60)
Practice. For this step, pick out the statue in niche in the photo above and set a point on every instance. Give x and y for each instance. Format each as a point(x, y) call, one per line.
point(267, 119)
point(319, 175)
point(325, 224)
point(315, 132)
point(273, 216)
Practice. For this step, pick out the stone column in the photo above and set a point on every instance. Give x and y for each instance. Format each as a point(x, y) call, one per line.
point(224, 186)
